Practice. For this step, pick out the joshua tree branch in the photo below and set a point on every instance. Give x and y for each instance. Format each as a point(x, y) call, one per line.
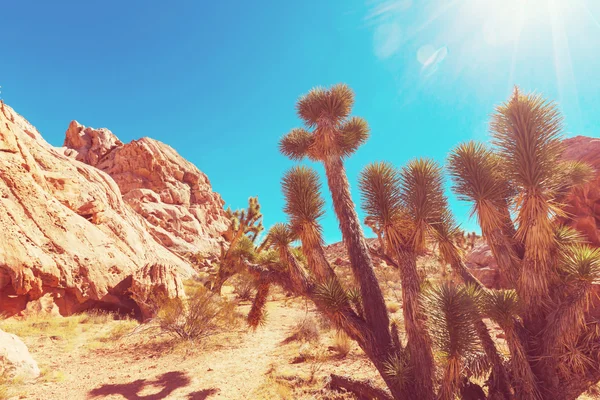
point(384, 257)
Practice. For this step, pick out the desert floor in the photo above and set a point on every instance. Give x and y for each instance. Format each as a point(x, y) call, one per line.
point(97, 357)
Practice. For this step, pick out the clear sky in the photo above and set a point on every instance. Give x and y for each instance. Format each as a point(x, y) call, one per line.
point(218, 80)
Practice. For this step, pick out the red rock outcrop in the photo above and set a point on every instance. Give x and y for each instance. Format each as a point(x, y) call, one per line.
point(174, 197)
point(584, 203)
point(64, 226)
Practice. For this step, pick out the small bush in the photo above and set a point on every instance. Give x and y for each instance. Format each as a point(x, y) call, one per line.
point(342, 344)
point(201, 315)
point(304, 331)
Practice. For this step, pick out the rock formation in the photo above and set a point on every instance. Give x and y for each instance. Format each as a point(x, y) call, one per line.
point(65, 228)
point(15, 359)
point(172, 195)
point(584, 203)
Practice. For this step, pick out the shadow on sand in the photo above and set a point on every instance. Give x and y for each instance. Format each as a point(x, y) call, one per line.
point(167, 383)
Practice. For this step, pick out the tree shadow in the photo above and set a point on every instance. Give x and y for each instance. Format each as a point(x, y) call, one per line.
point(169, 382)
point(202, 394)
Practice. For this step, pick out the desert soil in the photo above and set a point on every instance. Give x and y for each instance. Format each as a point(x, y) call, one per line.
point(239, 364)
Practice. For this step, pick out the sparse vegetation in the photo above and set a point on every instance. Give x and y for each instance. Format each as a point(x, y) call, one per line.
point(200, 315)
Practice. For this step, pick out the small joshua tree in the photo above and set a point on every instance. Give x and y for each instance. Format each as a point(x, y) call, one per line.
point(517, 188)
point(240, 238)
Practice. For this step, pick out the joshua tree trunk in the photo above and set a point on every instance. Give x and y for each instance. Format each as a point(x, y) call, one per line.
point(360, 259)
point(418, 342)
point(222, 277)
point(316, 260)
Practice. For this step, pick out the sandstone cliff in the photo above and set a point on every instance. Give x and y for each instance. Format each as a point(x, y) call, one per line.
point(172, 195)
point(67, 230)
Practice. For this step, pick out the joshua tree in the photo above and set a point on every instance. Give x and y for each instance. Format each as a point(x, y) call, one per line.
point(551, 273)
point(517, 188)
point(335, 136)
point(240, 238)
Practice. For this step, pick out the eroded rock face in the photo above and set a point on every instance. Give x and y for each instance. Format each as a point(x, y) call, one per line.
point(174, 197)
point(64, 227)
point(154, 283)
point(15, 359)
point(584, 203)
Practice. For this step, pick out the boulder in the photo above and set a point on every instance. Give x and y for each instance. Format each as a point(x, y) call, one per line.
point(483, 266)
point(15, 359)
point(170, 193)
point(64, 226)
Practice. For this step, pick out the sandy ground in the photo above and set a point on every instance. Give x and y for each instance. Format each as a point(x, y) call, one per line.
point(239, 364)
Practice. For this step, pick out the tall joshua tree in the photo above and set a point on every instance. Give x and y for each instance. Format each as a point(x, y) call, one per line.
point(405, 205)
point(331, 135)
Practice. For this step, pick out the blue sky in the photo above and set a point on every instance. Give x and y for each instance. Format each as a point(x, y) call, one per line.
point(218, 81)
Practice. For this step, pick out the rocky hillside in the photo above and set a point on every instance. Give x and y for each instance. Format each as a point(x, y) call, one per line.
point(80, 223)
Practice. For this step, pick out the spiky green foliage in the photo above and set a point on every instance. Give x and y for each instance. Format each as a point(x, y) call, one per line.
point(332, 295)
point(244, 228)
point(398, 368)
point(304, 204)
point(452, 315)
point(502, 306)
point(422, 195)
point(334, 132)
point(353, 134)
point(477, 176)
point(381, 197)
point(295, 144)
point(527, 132)
point(333, 104)
point(581, 264)
point(280, 235)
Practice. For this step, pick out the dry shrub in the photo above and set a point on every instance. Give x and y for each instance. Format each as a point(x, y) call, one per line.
point(201, 315)
point(393, 307)
point(244, 288)
point(342, 344)
point(304, 331)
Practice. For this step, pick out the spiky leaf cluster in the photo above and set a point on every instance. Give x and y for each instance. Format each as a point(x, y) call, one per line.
point(303, 202)
point(335, 133)
point(452, 315)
